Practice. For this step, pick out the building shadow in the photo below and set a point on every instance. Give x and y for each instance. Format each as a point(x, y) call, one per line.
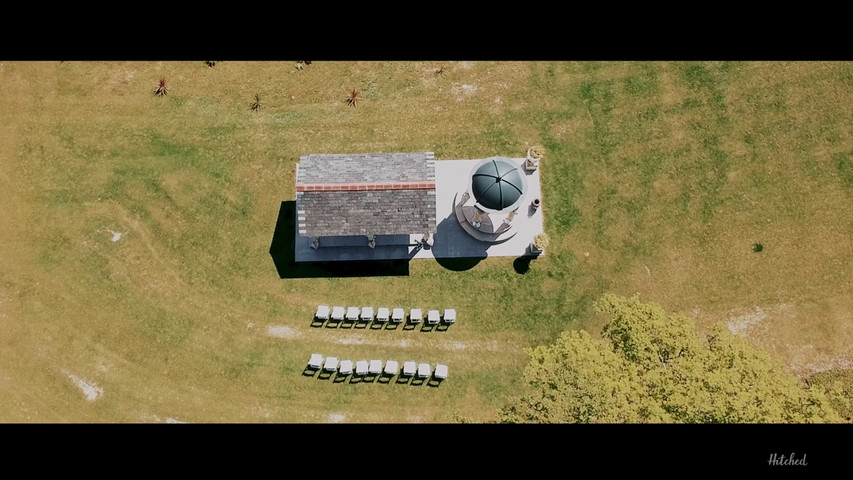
point(522, 264)
point(283, 253)
point(454, 249)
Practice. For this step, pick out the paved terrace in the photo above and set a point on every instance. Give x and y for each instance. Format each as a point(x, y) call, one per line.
point(450, 240)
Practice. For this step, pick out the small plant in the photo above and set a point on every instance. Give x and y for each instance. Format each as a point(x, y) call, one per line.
point(542, 241)
point(210, 63)
point(757, 247)
point(440, 71)
point(537, 151)
point(352, 98)
point(302, 64)
point(256, 105)
point(162, 89)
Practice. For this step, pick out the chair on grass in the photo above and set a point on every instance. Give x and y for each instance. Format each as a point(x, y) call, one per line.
point(382, 314)
point(449, 315)
point(316, 361)
point(424, 370)
point(397, 315)
point(331, 364)
point(337, 314)
point(375, 367)
point(322, 313)
point(366, 314)
point(416, 315)
point(391, 368)
point(361, 367)
point(409, 368)
point(352, 314)
point(433, 317)
point(345, 367)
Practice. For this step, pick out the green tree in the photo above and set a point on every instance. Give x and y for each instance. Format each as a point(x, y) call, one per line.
point(653, 367)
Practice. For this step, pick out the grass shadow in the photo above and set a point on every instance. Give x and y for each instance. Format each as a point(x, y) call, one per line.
point(283, 253)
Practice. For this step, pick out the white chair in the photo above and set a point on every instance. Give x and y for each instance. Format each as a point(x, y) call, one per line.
point(366, 314)
point(391, 367)
point(361, 367)
point(316, 361)
point(416, 315)
point(433, 317)
point(440, 371)
point(449, 315)
point(424, 370)
point(375, 367)
point(352, 314)
point(397, 315)
point(409, 368)
point(382, 314)
point(337, 314)
point(331, 364)
point(322, 312)
point(345, 367)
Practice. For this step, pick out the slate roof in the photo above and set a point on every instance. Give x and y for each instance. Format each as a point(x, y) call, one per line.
point(366, 167)
point(362, 194)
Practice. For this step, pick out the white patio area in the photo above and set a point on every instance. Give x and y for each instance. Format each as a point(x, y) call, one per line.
point(450, 239)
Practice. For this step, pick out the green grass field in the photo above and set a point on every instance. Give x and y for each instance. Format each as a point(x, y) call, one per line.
point(659, 178)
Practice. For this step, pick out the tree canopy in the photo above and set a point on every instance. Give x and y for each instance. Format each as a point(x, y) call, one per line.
point(654, 367)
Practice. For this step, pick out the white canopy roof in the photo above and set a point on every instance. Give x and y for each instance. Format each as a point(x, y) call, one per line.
point(338, 313)
point(440, 371)
point(423, 370)
point(346, 367)
point(322, 312)
point(352, 313)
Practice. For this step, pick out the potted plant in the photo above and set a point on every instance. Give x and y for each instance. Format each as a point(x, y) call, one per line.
point(534, 154)
point(540, 243)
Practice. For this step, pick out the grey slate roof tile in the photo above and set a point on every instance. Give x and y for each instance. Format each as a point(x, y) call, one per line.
point(383, 212)
point(377, 212)
point(366, 167)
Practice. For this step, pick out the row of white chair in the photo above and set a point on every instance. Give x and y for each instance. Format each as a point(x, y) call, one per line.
point(375, 367)
point(383, 314)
